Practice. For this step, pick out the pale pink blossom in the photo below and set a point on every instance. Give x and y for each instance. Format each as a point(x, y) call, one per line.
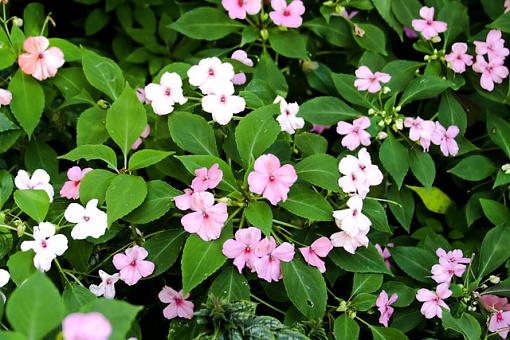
point(287, 15)
point(352, 220)
point(207, 178)
point(288, 119)
point(178, 306)
point(240, 55)
point(210, 74)
point(237, 9)
point(385, 253)
point(270, 256)
point(207, 219)
point(86, 326)
point(359, 174)
point(40, 180)
point(427, 26)
point(348, 15)
point(319, 128)
point(71, 188)
point(242, 248)
point(222, 104)
point(453, 256)
point(271, 180)
point(444, 272)
point(500, 323)
point(183, 202)
point(5, 97)
point(132, 265)
point(507, 5)
point(166, 94)
point(433, 302)
point(354, 133)
point(39, 61)
point(492, 72)
point(420, 130)
point(358, 31)
point(446, 139)
point(349, 243)
point(493, 46)
point(410, 33)
point(140, 94)
point(319, 248)
point(458, 59)
point(384, 306)
point(366, 80)
point(145, 133)
point(493, 303)
point(107, 286)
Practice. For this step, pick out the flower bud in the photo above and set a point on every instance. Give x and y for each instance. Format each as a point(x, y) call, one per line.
point(372, 111)
point(484, 286)
point(398, 108)
point(17, 21)
point(4, 2)
point(225, 200)
point(399, 123)
point(2, 217)
point(386, 90)
point(472, 308)
point(382, 135)
point(506, 168)
point(494, 279)
point(426, 58)
point(358, 31)
point(264, 34)
point(309, 65)
point(381, 123)
point(342, 307)
point(352, 314)
point(102, 104)
point(20, 229)
point(436, 39)
point(329, 3)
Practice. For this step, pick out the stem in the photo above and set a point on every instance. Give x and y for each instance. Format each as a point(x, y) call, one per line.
point(16, 230)
point(62, 272)
point(384, 200)
point(285, 224)
point(267, 304)
point(109, 257)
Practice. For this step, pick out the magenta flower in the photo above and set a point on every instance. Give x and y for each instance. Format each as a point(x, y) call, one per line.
point(385, 253)
point(319, 248)
point(492, 72)
point(366, 80)
point(177, 304)
point(271, 180)
point(207, 219)
point(240, 55)
point(183, 202)
point(433, 302)
point(71, 188)
point(145, 133)
point(494, 46)
point(421, 130)
point(5, 97)
point(384, 306)
point(493, 303)
point(427, 26)
point(242, 249)
point(237, 9)
point(458, 59)
point(319, 128)
point(500, 322)
point(287, 15)
point(132, 265)
point(355, 133)
point(207, 178)
point(446, 139)
point(410, 33)
point(268, 265)
point(86, 326)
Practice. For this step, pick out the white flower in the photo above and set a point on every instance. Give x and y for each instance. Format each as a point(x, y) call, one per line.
point(506, 169)
point(210, 73)
point(351, 220)
point(90, 221)
point(46, 245)
point(107, 285)
point(359, 173)
point(223, 104)
point(4, 277)
point(40, 180)
point(164, 95)
point(349, 243)
point(288, 119)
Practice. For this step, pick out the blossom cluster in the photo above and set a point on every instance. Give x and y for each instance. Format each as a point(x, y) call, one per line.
point(282, 14)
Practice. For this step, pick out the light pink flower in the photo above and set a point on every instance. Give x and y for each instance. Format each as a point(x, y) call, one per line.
point(5, 97)
point(446, 139)
point(145, 133)
point(207, 219)
point(352, 220)
point(410, 33)
point(242, 249)
point(268, 265)
point(453, 256)
point(240, 55)
point(493, 303)
point(358, 31)
point(319, 128)
point(348, 242)
point(434, 301)
point(288, 119)
point(507, 5)
point(39, 61)
point(427, 26)
point(177, 304)
point(166, 94)
point(359, 173)
point(222, 104)
point(237, 9)
point(71, 188)
point(385, 253)
point(210, 74)
point(492, 72)
point(319, 248)
point(107, 286)
point(348, 15)
point(384, 306)
point(494, 46)
point(366, 80)
point(500, 322)
point(442, 273)
point(355, 133)
point(132, 265)
point(86, 326)
point(207, 178)
point(420, 130)
point(458, 59)
point(40, 180)
point(183, 202)
point(287, 15)
point(140, 94)
point(271, 180)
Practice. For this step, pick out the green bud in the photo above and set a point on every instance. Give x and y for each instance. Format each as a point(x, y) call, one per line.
point(264, 34)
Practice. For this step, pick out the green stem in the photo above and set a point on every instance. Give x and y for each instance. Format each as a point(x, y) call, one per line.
point(267, 304)
point(285, 224)
point(62, 272)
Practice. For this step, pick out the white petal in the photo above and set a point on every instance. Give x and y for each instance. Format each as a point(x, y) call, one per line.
point(80, 231)
point(44, 230)
point(97, 290)
point(40, 176)
point(22, 180)
point(74, 213)
point(171, 80)
point(27, 245)
point(57, 244)
point(42, 261)
point(4, 277)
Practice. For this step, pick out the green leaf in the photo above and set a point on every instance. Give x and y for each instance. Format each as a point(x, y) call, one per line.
point(383, 333)
point(310, 143)
point(496, 212)
point(326, 111)
point(96, 20)
point(145, 158)
point(193, 162)
point(90, 152)
point(502, 23)
point(344, 84)
point(455, 14)
point(395, 159)
point(406, 294)
point(384, 9)
point(363, 302)
point(289, 44)
point(75, 297)
point(34, 203)
point(424, 87)
point(494, 249)
point(7, 55)
point(404, 211)
point(125, 193)
point(260, 215)
point(33, 19)
point(230, 285)
point(39, 155)
point(21, 266)
point(498, 130)
point(415, 262)
point(434, 199)
point(307, 203)
point(337, 32)
point(192, 133)
point(90, 128)
point(70, 50)
point(164, 248)
point(365, 260)
point(306, 288)
point(402, 73)
point(473, 168)
point(406, 10)
point(366, 283)
point(6, 187)
point(346, 328)
point(102, 73)
point(377, 214)
point(467, 325)
point(268, 72)
point(451, 112)
point(320, 170)
point(27, 103)
point(94, 185)
point(423, 167)
point(27, 307)
point(373, 40)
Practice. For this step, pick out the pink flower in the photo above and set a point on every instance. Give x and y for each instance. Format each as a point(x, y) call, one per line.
point(140, 94)
point(492, 72)
point(5, 97)
point(107, 286)
point(410, 33)
point(39, 61)
point(178, 306)
point(319, 248)
point(268, 265)
point(385, 253)
point(207, 178)
point(366, 80)
point(242, 249)
point(348, 15)
point(132, 265)
point(355, 133)
point(207, 219)
point(319, 128)
point(434, 301)
point(237, 9)
point(71, 188)
point(453, 256)
point(287, 15)
point(459, 59)
point(493, 303)
point(271, 180)
point(427, 26)
point(166, 94)
point(494, 46)
point(446, 139)
point(450, 264)
point(240, 55)
point(507, 5)
point(145, 133)
point(421, 130)
point(86, 326)
point(384, 306)
point(500, 322)
point(183, 202)
point(348, 242)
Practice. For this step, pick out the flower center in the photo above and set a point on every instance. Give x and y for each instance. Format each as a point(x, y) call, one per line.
point(108, 281)
point(40, 56)
point(44, 244)
point(240, 3)
point(211, 72)
point(286, 13)
point(247, 250)
point(86, 218)
point(205, 215)
point(499, 317)
point(133, 263)
point(223, 99)
point(178, 301)
point(271, 178)
point(168, 92)
point(430, 22)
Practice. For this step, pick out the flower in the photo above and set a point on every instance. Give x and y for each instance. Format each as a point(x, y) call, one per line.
point(86, 326)
point(240, 55)
point(359, 174)
point(427, 26)
point(166, 94)
point(207, 178)
point(384, 306)
point(288, 119)
point(348, 15)
point(287, 15)
point(268, 265)
point(90, 221)
point(39, 61)
point(433, 302)
point(450, 264)
point(237, 9)
point(410, 34)
point(500, 322)
point(493, 303)
point(421, 130)
point(493, 46)
point(5, 97)
point(355, 133)
point(207, 219)
point(140, 94)
point(145, 133)
point(132, 265)
point(46, 245)
point(453, 256)
point(210, 74)
point(4, 277)
point(507, 5)
point(107, 286)
point(458, 59)
point(242, 248)
point(319, 128)
point(446, 139)
point(358, 31)
point(366, 80)
point(271, 180)
point(40, 180)
point(183, 202)
point(222, 103)
point(319, 248)
point(492, 72)
point(385, 253)
point(348, 242)
point(178, 306)
point(71, 188)
point(352, 220)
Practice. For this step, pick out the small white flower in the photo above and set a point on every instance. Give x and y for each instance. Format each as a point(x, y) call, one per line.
point(4, 277)
point(107, 286)
point(209, 74)
point(359, 174)
point(40, 180)
point(352, 220)
point(349, 243)
point(506, 169)
point(288, 119)
point(164, 95)
point(90, 221)
point(46, 245)
point(222, 104)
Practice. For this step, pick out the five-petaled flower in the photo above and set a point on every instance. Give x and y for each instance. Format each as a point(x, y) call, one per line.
point(354, 133)
point(288, 15)
point(5, 97)
point(237, 9)
point(270, 256)
point(132, 265)
point(368, 81)
point(166, 94)
point(458, 59)
point(210, 74)
point(222, 104)
point(40, 180)
point(178, 306)
point(288, 119)
point(242, 248)
point(71, 188)
point(86, 326)
point(319, 248)
point(46, 245)
point(433, 302)
point(90, 221)
point(383, 304)
point(107, 286)
point(427, 26)
point(39, 61)
point(206, 178)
